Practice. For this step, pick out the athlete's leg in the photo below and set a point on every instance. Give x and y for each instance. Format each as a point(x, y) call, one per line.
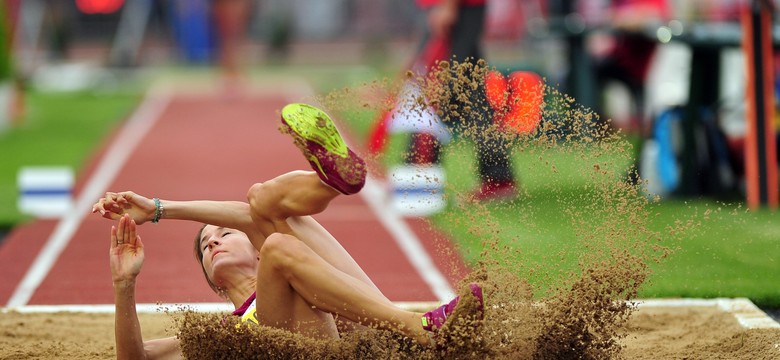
point(294, 271)
point(280, 206)
point(337, 169)
point(279, 305)
point(297, 193)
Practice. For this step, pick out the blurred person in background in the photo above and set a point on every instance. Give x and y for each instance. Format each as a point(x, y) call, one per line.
point(456, 27)
point(230, 19)
point(59, 18)
point(626, 53)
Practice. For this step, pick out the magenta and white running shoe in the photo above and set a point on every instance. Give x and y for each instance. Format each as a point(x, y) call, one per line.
point(435, 319)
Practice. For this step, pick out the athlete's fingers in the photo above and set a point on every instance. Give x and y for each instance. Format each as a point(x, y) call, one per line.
point(111, 202)
point(126, 199)
point(100, 205)
point(110, 215)
point(116, 208)
point(121, 200)
point(120, 234)
point(106, 200)
point(131, 233)
point(113, 237)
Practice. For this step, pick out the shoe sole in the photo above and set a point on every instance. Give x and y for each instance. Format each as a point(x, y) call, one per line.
point(312, 124)
point(316, 135)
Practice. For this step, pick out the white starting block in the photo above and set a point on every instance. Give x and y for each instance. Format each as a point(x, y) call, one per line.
point(417, 190)
point(45, 192)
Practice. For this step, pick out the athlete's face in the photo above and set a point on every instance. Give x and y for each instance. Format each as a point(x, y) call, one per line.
point(224, 249)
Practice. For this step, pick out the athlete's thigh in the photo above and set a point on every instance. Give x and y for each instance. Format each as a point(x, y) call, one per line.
point(279, 306)
point(316, 237)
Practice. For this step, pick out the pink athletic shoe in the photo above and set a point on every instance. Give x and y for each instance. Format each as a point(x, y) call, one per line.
point(435, 319)
point(320, 141)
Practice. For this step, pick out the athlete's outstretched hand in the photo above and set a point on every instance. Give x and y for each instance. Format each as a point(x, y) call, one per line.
point(127, 251)
point(114, 205)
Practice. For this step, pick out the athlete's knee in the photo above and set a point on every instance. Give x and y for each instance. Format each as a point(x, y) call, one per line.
point(281, 251)
point(255, 192)
point(259, 199)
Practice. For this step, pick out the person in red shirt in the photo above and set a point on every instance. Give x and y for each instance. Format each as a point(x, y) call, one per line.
point(276, 264)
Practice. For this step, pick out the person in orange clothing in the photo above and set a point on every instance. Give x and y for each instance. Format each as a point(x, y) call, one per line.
point(230, 19)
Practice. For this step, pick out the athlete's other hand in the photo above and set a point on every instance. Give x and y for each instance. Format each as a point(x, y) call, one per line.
point(114, 205)
point(127, 251)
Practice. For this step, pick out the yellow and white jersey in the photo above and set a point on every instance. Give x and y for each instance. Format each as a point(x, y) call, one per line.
point(250, 315)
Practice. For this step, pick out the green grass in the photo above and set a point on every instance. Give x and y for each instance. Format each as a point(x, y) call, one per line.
point(729, 253)
point(735, 253)
point(58, 129)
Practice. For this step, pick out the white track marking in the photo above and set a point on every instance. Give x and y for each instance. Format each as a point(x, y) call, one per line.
point(131, 134)
point(744, 311)
point(169, 307)
point(407, 240)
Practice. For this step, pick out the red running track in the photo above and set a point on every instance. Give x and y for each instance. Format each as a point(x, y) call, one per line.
point(202, 146)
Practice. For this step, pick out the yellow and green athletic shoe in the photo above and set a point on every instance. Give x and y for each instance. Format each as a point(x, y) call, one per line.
point(320, 141)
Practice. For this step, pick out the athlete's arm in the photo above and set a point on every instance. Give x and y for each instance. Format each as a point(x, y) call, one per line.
point(126, 259)
point(231, 214)
point(297, 193)
point(166, 348)
point(127, 329)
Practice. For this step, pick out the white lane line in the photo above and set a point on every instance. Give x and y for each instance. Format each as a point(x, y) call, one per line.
point(136, 127)
point(148, 308)
point(406, 239)
point(740, 308)
point(747, 314)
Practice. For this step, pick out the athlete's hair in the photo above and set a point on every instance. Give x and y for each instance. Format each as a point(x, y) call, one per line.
point(199, 257)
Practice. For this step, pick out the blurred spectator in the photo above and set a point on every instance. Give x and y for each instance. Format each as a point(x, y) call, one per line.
point(626, 53)
point(230, 19)
point(459, 24)
point(59, 20)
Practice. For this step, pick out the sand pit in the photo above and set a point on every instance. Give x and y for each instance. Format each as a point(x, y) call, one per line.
point(690, 329)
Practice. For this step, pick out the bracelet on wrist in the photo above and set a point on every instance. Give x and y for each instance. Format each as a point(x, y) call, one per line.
point(158, 210)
